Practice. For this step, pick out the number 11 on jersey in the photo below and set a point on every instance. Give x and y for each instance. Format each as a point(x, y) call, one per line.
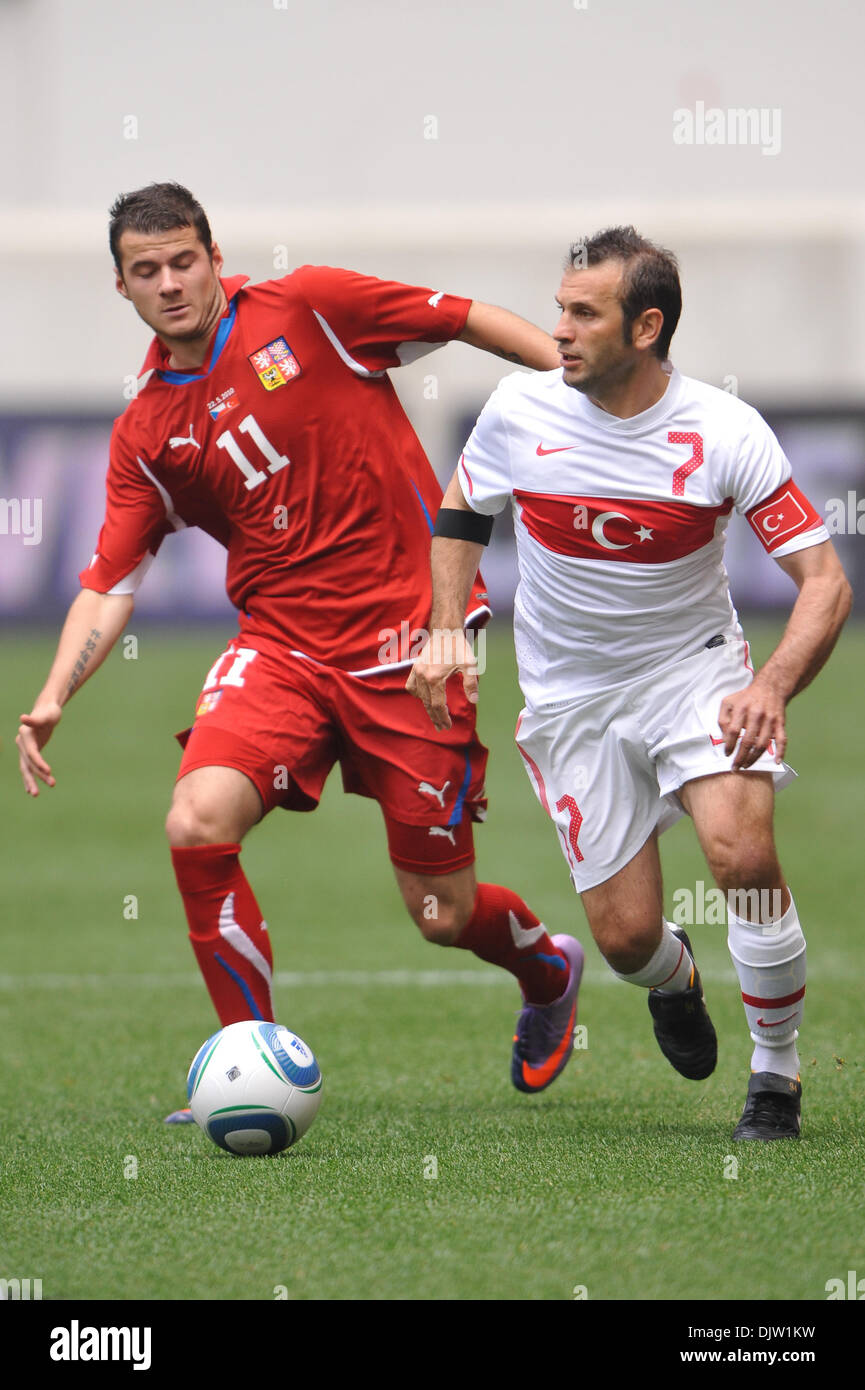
point(252, 475)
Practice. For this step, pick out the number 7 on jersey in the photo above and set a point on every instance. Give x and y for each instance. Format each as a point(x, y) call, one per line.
point(694, 462)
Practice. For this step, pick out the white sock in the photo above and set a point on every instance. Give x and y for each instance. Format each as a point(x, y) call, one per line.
point(782, 1060)
point(770, 962)
point(669, 969)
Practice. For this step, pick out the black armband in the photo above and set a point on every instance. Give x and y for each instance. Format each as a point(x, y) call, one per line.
point(456, 525)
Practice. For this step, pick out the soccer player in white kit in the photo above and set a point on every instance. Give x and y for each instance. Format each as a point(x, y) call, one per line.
point(641, 702)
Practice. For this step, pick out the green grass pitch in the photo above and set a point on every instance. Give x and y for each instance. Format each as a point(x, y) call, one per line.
point(425, 1176)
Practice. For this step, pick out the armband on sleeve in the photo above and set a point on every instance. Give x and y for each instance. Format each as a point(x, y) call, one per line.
point(456, 525)
point(783, 519)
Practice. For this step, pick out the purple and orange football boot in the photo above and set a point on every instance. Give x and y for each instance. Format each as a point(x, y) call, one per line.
point(179, 1117)
point(544, 1038)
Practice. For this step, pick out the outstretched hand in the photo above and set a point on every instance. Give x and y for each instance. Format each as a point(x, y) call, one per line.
point(33, 733)
point(446, 651)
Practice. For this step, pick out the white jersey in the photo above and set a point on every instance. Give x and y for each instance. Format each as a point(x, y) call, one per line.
point(620, 523)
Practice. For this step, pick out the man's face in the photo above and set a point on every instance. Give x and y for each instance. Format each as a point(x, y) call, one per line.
point(590, 332)
point(171, 280)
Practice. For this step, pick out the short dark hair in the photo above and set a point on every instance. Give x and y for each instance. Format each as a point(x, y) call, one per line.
point(650, 277)
point(160, 207)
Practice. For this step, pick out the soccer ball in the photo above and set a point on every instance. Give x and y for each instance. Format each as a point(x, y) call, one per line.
point(254, 1088)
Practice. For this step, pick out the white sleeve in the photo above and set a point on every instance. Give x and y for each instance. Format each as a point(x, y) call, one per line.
point(484, 469)
point(758, 467)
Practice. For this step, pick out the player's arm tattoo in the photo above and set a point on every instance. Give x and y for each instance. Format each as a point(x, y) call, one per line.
point(508, 356)
point(86, 654)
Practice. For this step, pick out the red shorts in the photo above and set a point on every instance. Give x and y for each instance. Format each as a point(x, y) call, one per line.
point(284, 721)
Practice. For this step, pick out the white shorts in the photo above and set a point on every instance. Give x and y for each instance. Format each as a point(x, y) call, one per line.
point(607, 768)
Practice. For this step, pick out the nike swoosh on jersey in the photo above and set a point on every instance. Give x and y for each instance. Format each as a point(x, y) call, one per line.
point(524, 936)
point(561, 449)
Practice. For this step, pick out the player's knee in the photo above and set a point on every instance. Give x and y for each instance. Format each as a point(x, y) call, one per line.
point(439, 933)
point(626, 946)
point(440, 919)
point(747, 862)
point(191, 823)
point(627, 959)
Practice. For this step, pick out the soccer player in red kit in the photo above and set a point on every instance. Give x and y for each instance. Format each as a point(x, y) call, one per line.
point(265, 416)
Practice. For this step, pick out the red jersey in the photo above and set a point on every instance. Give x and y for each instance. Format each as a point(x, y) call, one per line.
point(289, 446)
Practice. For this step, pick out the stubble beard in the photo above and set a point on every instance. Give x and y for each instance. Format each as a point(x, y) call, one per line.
point(599, 383)
point(207, 319)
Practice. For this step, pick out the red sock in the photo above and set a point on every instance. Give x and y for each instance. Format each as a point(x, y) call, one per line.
point(227, 932)
point(505, 932)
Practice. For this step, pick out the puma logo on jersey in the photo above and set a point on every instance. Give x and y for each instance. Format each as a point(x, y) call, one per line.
point(178, 439)
point(443, 830)
point(428, 790)
point(433, 300)
point(524, 936)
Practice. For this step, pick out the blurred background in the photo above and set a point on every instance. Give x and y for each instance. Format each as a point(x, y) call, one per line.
point(460, 146)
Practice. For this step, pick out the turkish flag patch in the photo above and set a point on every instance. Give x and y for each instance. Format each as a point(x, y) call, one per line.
point(787, 513)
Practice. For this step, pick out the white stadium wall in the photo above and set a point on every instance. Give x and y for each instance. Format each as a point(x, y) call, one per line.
point(774, 295)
